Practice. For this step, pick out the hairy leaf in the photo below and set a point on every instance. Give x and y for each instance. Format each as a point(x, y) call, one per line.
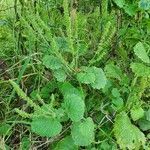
point(137, 113)
point(140, 51)
point(83, 132)
point(46, 126)
point(66, 143)
point(100, 78)
point(75, 107)
point(52, 62)
point(140, 69)
point(127, 135)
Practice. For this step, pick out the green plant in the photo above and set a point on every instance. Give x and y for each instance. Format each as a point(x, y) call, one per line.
point(81, 72)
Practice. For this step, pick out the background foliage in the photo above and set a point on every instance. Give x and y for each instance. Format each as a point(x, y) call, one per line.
point(75, 74)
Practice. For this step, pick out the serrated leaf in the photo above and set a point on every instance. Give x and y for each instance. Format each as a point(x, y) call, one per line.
point(75, 107)
point(87, 76)
point(83, 132)
point(128, 135)
point(113, 71)
point(60, 75)
point(140, 51)
point(45, 126)
point(93, 76)
point(52, 62)
point(68, 89)
point(66, 143)
point(119, 3)
point(137, 113)
point(100, 78)
point(140, 69)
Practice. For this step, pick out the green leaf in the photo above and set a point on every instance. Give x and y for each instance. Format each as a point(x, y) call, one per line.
point(117, 103)
point(140, 69)
point(25, 143)
point(144, 124)
point(66, 143)
point(87, 76)
point(130, 9)
point(115, 92)
point(100, 78)
point(128, 135)
point(48, 89)
point(119, 3)
point(67, 89)
point(147, 115)
point(137, 113)
point(60, 75)
point(75, 107)
point(113, 71)
point(45, 126)
point(83, 132)
point(52, 62)
point(140, 51)
point(144, 4)
point(93, 76)
point(4, 128)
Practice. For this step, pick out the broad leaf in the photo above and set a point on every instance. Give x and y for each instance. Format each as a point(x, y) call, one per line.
point(46, 126)
point(60, 75)
point(83, 132)
point(87, 76)
point(4, 128)
point(113, 71)
point(52, 62)
point(144, 124)
point(100, 78)
point(75, 107)
point(119, 3)
point(137, 113)
point(140, 51)
point(68, 89)
point(140, 69)
point(66, 143)
point(128, 135)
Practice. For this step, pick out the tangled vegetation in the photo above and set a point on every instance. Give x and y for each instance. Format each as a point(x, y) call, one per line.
point(75, 74)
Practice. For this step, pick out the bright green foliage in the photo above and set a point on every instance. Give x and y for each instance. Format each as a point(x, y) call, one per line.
point(25, 143)
point(74, 102)
point(113, 71)
point(4, 128)
point(83, 132)
point(46, 126)
point(147, 114)
point(65, 144)
point(137, 113)
point(52, 62)
point(60, 75)
point(127, 134)
point(75, 107)
point(79, 70)
point(140, 69)
point(140, 51)
point(87, 76)
point(94, 76)
point(120, 3)
point(100, 78)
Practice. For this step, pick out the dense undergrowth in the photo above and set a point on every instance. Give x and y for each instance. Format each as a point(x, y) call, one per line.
point(75, 74)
